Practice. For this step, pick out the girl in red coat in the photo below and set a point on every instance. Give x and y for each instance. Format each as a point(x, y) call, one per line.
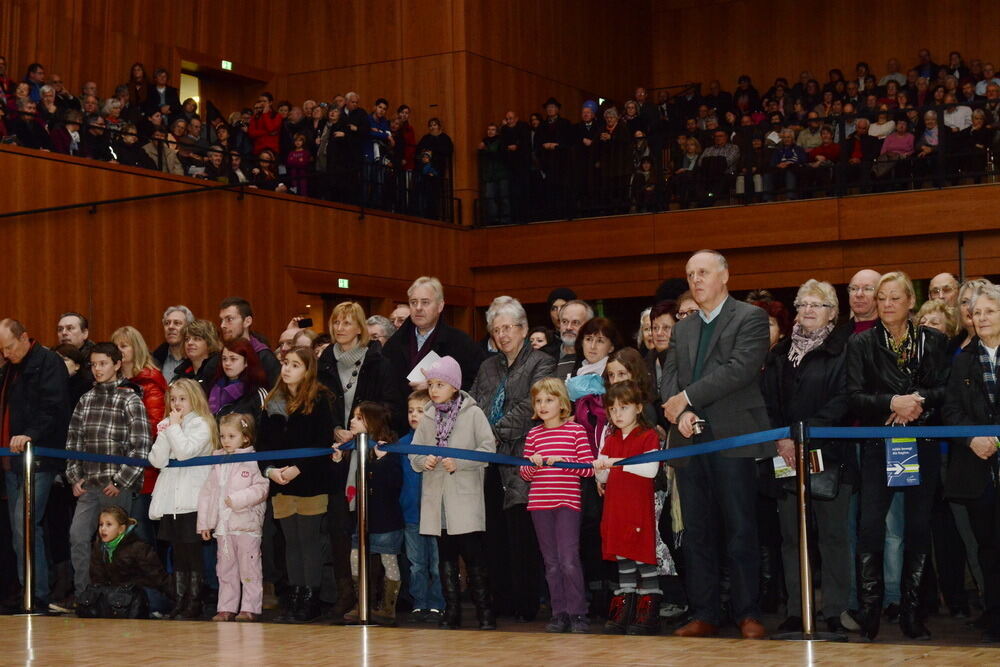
point(628, 526)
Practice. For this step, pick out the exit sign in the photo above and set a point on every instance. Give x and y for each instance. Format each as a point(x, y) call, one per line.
point(227, 64)
point(343, 283)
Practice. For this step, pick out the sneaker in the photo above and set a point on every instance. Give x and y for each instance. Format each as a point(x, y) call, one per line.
point(559, 623)
point(671, 611)
point(848, 621)
point(579, 624)
point(433, 616)
point(418, 616)
point(64, 607)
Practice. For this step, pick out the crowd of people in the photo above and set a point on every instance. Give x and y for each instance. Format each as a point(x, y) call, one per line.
point(331, 150)
point(705, 541)
point(856, 132)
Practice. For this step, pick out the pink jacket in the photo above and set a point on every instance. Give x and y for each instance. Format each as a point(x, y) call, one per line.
point(247, 490)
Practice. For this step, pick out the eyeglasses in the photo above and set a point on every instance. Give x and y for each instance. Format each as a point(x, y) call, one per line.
point(941, 291)
point(505, 329)
point(854, 289)
point(812, 306)
point(681, 314)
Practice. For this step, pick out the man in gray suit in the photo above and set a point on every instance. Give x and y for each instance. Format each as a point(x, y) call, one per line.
point(712, 373)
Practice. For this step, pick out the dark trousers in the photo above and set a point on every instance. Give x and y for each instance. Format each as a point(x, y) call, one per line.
point(513, 557)
point(876, 497)
point(718, 498)
point(469, 546)
point(984, 516)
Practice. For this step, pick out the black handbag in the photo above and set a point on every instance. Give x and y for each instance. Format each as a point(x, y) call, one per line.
point(88, 604)
point(126, 601)
point(822, 485)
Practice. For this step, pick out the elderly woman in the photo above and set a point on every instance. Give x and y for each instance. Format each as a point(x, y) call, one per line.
point(644, 337)
point(503, 389)
point(616, 160)
point(354, 370)
point(662, 319)
point(938, 315)
point(896, 375)
point(805, 379)
point(927, 147)
point(971, 399)
point(201, 353)
point(380, 328)
point(967, 329)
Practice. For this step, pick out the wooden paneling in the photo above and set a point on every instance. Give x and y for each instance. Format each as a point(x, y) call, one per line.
point(722, 39)
point(126, 262)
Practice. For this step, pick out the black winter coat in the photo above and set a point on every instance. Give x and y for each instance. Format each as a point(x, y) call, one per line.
point(873, 377)
point(205, 374)
point(135, 562)
point(298, 430)
point(385, 481)
point(966, 403)
point(375, 383)
point(816, 393)
point(37, 396)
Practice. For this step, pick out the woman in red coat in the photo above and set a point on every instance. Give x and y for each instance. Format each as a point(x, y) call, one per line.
point(628, 526)
point(265, 126)
point(139, 368)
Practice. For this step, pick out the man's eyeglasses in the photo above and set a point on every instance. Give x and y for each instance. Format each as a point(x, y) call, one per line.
point(854, 289)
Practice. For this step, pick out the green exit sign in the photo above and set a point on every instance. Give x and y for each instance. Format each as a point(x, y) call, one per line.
point(343, 283)
point(227, 64)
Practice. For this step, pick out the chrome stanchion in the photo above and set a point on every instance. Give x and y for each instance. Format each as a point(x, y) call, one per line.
point(361, 451)
point(28, 528)
point(802, 471)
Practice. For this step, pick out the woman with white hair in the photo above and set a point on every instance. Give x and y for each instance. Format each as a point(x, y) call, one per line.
point(503, 389)
point(805, 379)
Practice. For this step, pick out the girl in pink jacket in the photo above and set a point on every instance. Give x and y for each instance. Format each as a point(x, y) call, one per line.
point(232, 503)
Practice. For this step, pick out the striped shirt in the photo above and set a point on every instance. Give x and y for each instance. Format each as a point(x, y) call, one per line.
point(556, 487)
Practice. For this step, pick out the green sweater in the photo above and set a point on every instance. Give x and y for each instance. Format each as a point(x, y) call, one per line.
point(707, 329)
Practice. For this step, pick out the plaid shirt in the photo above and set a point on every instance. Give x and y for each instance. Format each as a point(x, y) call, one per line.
point(109, 419)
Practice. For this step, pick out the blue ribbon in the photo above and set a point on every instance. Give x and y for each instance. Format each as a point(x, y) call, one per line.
point(734, 442)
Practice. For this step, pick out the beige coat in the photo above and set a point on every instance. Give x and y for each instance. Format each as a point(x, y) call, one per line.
point(461, 493)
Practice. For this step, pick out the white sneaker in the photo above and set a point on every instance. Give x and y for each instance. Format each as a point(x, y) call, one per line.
point(670, 610)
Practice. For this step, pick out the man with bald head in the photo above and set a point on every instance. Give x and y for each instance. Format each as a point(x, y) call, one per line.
point(34, 407)
point(861, 293)
point(944, 288)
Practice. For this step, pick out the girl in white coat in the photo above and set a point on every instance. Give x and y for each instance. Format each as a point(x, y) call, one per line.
point(189, 431)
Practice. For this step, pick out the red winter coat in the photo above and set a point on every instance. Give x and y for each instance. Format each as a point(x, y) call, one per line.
point(154, 397)
point(265, 130)
point(628, 525)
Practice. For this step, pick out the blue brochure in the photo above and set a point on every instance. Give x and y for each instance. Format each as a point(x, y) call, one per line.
point(902, 466)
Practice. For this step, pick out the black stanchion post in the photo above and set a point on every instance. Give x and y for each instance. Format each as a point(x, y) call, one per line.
point(362, 502)
point(800, 431)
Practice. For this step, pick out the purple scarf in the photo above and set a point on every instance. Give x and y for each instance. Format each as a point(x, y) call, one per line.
point(445, 418)
point(223, 394)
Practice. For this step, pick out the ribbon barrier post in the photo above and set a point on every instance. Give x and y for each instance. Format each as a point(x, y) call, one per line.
point(802, 487)
point(361, 451)
point(28, 528)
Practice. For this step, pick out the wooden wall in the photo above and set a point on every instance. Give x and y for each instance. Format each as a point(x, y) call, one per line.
point(126, 262)
point(722, 39)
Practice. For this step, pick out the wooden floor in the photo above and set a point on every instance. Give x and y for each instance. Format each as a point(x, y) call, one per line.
point(73, 641)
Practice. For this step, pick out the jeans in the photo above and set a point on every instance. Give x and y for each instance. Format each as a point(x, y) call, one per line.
point(84, 526)
point(425, 577)
point(892, 562)
point(15, 507)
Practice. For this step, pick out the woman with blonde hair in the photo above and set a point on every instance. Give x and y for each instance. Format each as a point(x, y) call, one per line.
point(201, 351)
point(139, 368)
point(354, 371)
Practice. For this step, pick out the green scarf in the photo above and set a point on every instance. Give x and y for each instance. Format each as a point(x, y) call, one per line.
point(109, 547)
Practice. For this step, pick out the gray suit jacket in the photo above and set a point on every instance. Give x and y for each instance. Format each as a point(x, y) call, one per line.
point(727, 395)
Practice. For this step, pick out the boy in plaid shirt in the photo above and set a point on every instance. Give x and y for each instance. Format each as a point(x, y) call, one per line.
point(109, 419)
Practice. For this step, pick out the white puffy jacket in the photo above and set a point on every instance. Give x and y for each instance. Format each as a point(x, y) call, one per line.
point(176, 490)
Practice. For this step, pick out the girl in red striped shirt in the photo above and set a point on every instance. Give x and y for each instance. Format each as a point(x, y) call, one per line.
point(554, 500)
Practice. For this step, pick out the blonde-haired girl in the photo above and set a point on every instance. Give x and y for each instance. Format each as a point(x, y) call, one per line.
point(187, 432)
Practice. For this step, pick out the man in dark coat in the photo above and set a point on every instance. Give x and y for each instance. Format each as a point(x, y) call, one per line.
point(423, 332)
point(35, 408)
point(585, 158)
point(515, 137)
point(555, 134)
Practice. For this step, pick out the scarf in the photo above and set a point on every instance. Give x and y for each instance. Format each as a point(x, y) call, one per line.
point(596, 368)
point(989, 373)
point(905, 350)
point(225, 392)
point(348, 367)
point(500, 395)
point(804, 342)
point(108, 548)
point(445, 416)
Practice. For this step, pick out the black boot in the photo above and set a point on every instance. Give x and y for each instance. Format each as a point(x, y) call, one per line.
point(292, 603)
point(647, 616)
point(871, 588)
point(309, 605)
point(181, 582)
point(479, 586)
point(620, 614)
point(910, 614)
point(452, 617)
point(193, 609)
point(770, 594)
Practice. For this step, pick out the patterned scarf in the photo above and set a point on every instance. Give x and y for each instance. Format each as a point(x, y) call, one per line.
point(905, 350)
point(499, 398)
point(804, 342)
point(989, 373)
point(445, 418)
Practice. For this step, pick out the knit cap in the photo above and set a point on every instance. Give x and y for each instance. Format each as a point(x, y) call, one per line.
point(447, 370)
